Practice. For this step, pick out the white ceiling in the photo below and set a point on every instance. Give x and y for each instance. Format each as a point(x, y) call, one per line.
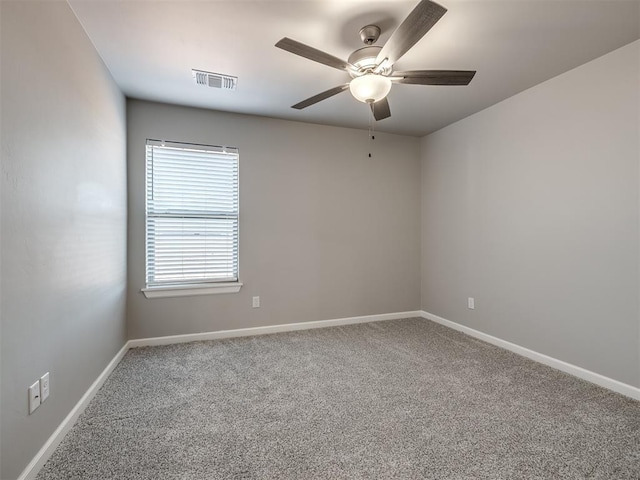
point(151, 46)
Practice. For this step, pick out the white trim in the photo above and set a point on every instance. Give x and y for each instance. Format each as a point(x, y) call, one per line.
point(30, 472)
point(589, 376)
point(287, 327)
point(190, 290)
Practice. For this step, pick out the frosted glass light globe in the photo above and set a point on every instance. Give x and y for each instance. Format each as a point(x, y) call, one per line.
point(370, 88)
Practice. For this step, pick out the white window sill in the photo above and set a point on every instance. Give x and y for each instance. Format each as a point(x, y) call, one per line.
point(189, 290)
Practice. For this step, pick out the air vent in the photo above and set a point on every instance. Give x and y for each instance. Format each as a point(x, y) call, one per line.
point(215, 80)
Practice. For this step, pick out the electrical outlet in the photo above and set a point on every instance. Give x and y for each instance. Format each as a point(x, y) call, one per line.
point(471, 303)
point(34, 397)
point(256, 302)
point(44, 387)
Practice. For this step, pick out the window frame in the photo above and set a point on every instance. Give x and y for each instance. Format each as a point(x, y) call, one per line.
point(202, 286)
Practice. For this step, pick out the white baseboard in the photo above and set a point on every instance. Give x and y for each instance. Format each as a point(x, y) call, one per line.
point(30, 472)
point(601, 380)
point(287, 327)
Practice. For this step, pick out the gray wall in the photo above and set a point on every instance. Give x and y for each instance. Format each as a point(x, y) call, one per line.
point(531, 207)
point(325, 231)
point(63, 220)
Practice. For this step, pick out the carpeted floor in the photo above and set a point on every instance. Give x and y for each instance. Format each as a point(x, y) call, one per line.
point(397, 399)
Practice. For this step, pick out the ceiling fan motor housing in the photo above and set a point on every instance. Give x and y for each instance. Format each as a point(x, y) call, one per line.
point(364, 59)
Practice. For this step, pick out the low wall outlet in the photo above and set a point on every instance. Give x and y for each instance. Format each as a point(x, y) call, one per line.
point(44, 387)
point(471, 303)
point(256, 302)
point(34, 397)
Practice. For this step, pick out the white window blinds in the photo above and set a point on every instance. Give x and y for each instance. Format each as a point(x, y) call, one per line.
point(192, 214)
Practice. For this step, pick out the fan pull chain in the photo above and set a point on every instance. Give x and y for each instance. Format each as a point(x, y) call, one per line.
point(372, 132)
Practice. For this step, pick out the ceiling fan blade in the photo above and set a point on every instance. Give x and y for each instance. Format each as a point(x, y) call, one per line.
point(311, 53)
point(424, 16)
point(321, 96)
point(381, 109)
point(434, 77)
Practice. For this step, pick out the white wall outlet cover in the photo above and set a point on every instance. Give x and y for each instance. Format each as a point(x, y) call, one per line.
point(44, 387)
point(256, 302)
point(471, 303)
point(34, 397)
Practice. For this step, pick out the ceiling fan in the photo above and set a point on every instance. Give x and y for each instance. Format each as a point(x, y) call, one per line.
point(371, 67)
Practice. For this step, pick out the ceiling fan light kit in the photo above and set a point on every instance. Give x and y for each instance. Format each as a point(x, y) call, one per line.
point(371, 67)
point(370, 88)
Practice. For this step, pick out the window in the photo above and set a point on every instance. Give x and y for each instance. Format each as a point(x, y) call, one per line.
point(192, 219)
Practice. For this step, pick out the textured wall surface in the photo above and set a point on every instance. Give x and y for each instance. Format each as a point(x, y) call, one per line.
point(531, 207)
point(63, 220)
point(325, 231)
